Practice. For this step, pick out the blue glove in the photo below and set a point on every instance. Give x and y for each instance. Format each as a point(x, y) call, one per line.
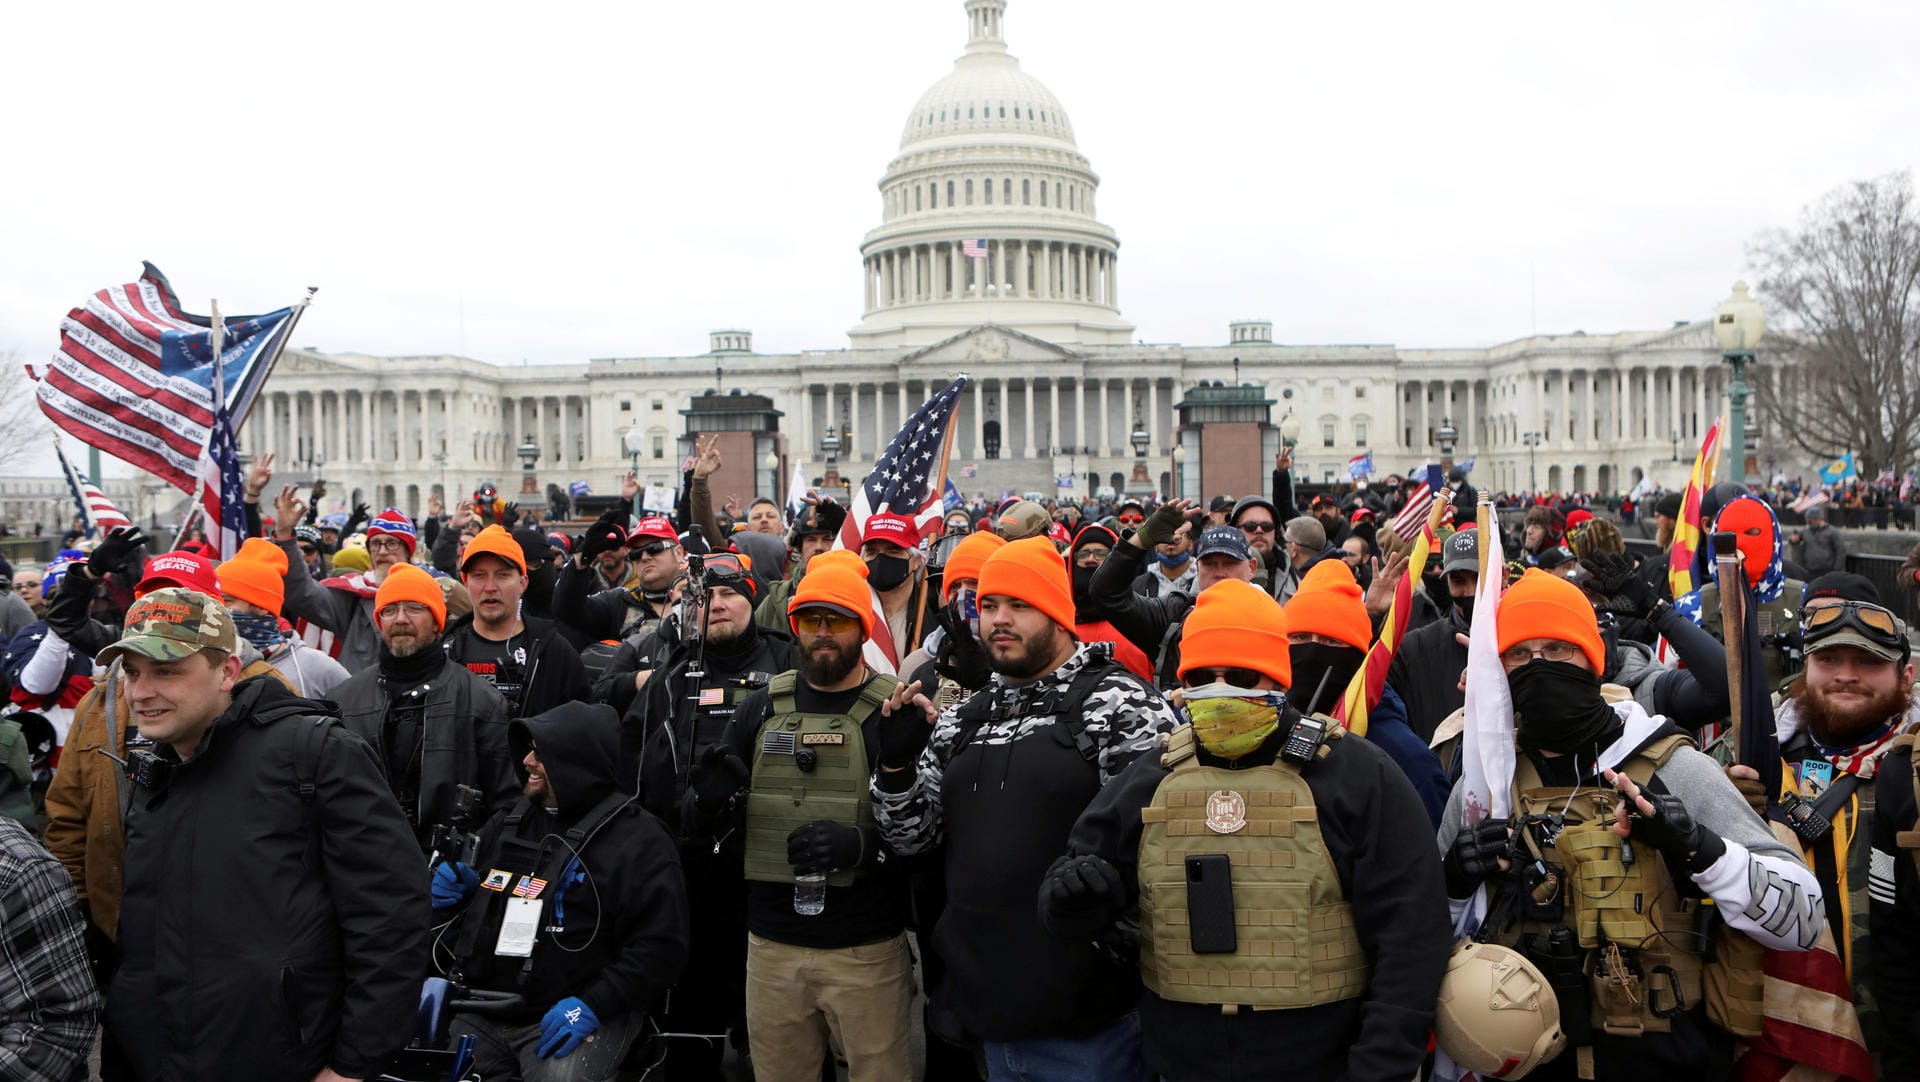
point(452, 882)
point(566, 1024)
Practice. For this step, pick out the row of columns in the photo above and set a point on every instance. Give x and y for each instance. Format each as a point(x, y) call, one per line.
point(406, 428)
point(1639, 403)
point(864, 424)
point(1036, 270)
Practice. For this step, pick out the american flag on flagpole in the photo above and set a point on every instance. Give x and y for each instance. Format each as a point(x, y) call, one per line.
point(221, 491)
point(904, 481)
point(134, 374)
point(973, 249)
point(97, 513)
point(1413, 517)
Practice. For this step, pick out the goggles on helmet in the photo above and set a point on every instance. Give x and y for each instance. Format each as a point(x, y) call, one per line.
point(1875, 622)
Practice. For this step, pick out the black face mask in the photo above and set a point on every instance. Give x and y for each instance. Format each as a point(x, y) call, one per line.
point(1557, 707)
point(1463, 610)
point(1313, 661)
point(1083, 581)
point(1436, 587)
point(886, 572)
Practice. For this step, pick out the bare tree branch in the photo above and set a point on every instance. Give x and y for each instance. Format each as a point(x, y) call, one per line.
point(1845, 288)
point(24, 430)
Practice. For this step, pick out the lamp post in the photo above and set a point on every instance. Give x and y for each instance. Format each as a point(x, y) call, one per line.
point(1447, 434)
point(1532, 440)
point(529, 452)
point(771, 460)
point(440, 460)
point(830, 446)
point(633, 441)
point(1140, 439)
point(1179, 459)
point(1738, 323)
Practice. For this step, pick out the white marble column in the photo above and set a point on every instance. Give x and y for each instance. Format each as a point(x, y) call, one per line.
point(565, 402)
point(1021, 277)
point(1467, 440)
point(1031, 451)
point(1106, 430)
point(1700, 397)
point(1113, 280)
point(979, 418)
point(1153, 417)
point(1053, 413)
point(900, 393)
point(853, 421)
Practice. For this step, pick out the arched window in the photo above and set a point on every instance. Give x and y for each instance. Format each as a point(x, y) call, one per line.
point(969, 193)
point(916, 197)
point(1056, 194)
point(1043, 193)
point(986, 189)
point(1006, 192)
point(933, 195)
point(1026, 192)
point(949, 193)
point(1003, 112)
point(969, 112)
point(1071, 194)
point(1016, 112)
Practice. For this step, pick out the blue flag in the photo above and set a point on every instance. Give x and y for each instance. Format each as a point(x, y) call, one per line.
point(1840, 469)
point(951, 497)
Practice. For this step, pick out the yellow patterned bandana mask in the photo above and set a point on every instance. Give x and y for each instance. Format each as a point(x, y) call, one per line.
point(1228, 721)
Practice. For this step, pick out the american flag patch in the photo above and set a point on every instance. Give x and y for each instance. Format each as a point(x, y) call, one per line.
point(777, 742)
point(713, 696)
point(529, 887)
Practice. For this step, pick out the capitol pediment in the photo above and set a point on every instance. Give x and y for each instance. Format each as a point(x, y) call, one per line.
point(988, 344)
point(296, 362)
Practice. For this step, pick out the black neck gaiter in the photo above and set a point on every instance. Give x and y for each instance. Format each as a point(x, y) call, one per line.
point(416, 668)
point(1557, 707)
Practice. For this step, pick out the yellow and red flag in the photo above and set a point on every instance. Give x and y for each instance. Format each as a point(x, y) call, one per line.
point(1370, 682)
point(1688, 530)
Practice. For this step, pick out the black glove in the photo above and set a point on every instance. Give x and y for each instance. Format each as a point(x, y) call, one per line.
point(717, 778)
point(607, 533)
point(823, 846)
point(1159, 527)
point(1475, 856)
point(113, 553)
point(961, 658)
point(1080, 897)
point(1672, 830)
point(361, 514)
point(903, 736)
point(1617, 579)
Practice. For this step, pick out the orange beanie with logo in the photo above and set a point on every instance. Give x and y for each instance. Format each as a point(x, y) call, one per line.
point(1543, 606)
point(256, 574)
point(836, 578)
point(1328, 603)
point(1237, 625)
point(408, 583)
point(1032, 571)
point(965, 561)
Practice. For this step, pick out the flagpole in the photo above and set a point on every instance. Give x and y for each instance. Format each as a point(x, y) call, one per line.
point(940, 487)
point(216, 339)
point(238, 415)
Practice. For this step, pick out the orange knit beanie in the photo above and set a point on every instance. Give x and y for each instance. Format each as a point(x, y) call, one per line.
point(1543, 606)
point(1032, 571)
point(1236, 625)
point(1328, 603)
point(256, 574)
point(408, 583)
point(965, 560)
point(836, 578)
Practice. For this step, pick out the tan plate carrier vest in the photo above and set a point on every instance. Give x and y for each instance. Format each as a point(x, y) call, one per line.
point(784, 797)
point(1297, 946)
point(1610, 903)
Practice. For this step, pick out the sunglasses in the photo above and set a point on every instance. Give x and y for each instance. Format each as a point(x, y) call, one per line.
point(817, 620)
point(1132, 520)
point(1876, 623)
point(1240, 678)
point(1256, 527)
point(654, 549)
point(306, 550)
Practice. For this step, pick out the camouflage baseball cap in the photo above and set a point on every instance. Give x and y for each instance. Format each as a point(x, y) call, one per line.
point(170, 624)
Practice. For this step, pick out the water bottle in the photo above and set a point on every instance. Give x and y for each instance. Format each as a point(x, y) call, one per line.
point(809, 894)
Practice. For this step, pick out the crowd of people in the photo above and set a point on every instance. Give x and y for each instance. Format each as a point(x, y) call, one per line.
point(1070, 791)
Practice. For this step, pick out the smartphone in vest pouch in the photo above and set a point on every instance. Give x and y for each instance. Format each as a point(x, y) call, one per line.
point(1210, 904)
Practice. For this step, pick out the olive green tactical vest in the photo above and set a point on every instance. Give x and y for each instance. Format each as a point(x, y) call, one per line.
point(1296, 941)
point(1607, 900)
point(1780, 615)
point(784, 796)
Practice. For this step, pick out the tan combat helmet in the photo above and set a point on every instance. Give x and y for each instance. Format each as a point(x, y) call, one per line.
point(1497, 1015)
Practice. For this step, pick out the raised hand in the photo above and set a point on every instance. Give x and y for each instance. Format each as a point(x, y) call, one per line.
point(259, 477)
point(288, 510)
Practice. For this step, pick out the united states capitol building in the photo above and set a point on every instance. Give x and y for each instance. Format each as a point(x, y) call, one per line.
point(990, 258)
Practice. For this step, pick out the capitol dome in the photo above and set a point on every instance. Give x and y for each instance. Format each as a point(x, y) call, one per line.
point(987, 212)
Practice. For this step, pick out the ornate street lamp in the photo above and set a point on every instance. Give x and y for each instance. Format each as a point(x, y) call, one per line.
point(1738, 323)
point(1532, 440)
point(771, 460)
point(1447, 434)
point(529, 452)
point(1290, 429)
point(634, 442)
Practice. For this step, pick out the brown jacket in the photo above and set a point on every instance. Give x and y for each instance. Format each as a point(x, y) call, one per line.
point(83, 803)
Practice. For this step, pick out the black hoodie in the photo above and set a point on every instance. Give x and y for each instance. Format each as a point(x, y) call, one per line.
point(613, 924)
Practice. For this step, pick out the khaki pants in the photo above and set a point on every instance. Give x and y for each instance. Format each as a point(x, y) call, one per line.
point(796, 994)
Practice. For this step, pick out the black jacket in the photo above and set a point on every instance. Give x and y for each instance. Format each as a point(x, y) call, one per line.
point(1426, 672)
point(464, 737)
point(1141, 620)
point(663, 733)
point(1894, 939)
point(263, 935)
point(553, 673)
point(598, 615)
point(1375, 832)
point(613, 924)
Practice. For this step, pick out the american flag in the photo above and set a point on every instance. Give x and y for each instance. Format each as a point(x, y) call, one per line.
point(529, 887)
point(221, 490)
point(970, 469)
point(905, 481)
point(1413, 517)
point(97, 513)
point(134, 374)
point(973, 249)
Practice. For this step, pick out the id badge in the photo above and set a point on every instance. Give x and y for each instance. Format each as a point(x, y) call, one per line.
point(518, 927)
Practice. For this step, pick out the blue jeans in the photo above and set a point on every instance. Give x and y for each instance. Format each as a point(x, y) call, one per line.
point(1111, 1055)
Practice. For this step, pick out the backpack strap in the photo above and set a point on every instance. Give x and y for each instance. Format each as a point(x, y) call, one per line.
point(1179, 745)
point(1068, 712)
point(780, 689)
point(1909, 840)
point(873, 696)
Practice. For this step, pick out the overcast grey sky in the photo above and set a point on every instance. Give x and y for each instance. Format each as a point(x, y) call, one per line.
point(552, 183)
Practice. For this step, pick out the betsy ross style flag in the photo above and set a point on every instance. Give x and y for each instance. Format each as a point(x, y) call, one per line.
point(97, 513)
point(134, 374)
point(907, 479)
